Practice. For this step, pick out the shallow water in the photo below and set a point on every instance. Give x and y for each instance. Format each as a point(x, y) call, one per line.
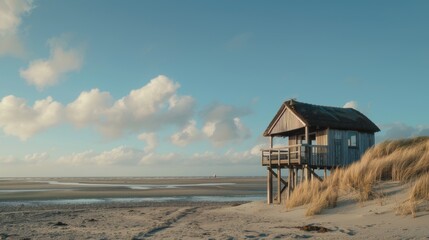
point(246, 198)
point(48, 191)
point(129, 186)
point(135, 186)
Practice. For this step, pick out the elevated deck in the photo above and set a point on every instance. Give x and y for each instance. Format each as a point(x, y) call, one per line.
point(315, 156)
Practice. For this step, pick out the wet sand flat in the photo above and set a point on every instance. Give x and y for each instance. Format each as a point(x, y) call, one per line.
point(75, 188)
point(374, 219)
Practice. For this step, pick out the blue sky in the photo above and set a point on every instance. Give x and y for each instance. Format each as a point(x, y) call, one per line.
point(161, 88)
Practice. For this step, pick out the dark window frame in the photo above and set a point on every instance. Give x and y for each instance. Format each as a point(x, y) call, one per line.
point(350, 142)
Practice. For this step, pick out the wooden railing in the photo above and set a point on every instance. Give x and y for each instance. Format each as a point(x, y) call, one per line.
point(314, 155)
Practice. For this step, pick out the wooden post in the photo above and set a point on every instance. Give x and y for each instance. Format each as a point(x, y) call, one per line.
point(304, 172)
point(289, 186)
point(269, 186)
point(296, 176)
point(324, 174)
point(270, 176)
point(308, 173)
point(279, 185)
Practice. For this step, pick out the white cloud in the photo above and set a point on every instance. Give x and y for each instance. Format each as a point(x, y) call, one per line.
point(11, 45)
point(151, 141)
point(256, 150)
point(223, 124)
point(207, 158)
point(11, 12)
point(48, 72)
point(131, 156)
point(117, 156)
point(351, 104)
point(18, 119)
point(82, 158)
point(150, 107)
point(158, 159)
point(225, 130)
point(401, 130)
point(187, 135)
point(36, 158)
point(89, 108)
point(8, 160)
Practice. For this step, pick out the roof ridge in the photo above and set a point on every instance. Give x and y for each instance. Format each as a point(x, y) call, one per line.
point(317, 105)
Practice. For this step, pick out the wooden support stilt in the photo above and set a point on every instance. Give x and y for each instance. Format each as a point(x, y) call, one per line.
point(296, 176)
point(305, 173)
point(302, 174)
point(269, 186)
point(293, 179)
point(308, 173)
point(279, 185)
point(289, 187)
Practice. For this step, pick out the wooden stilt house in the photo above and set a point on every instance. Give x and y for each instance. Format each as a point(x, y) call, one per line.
point(319, 137)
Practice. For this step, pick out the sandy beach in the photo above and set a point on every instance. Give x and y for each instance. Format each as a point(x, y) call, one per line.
point(198, 220)
point(375, 219)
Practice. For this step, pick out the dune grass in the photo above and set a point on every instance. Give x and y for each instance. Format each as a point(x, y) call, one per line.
point(405, 160)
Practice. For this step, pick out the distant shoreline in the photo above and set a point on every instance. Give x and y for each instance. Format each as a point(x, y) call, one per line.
point(131, 189)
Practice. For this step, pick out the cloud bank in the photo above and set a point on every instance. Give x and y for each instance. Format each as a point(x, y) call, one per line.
point(154, 107)
point(223, 124)
point(150, 107)
point(117, 156)
point(131, 156)
point(401, 130)
point(23, 121)
point(151, 141)
point(187, 135)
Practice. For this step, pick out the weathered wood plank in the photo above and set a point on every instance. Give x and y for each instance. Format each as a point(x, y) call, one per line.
point(269, 186)
point(279, 185)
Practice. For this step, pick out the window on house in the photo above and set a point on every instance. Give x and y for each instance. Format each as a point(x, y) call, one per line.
point(352, 139)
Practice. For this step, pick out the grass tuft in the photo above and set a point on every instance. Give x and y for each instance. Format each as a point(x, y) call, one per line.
point(404, 160)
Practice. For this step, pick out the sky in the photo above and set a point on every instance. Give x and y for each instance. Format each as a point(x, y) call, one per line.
point(186, 88)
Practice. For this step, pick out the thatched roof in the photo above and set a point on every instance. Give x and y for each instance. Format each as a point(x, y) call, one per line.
point(322, 117)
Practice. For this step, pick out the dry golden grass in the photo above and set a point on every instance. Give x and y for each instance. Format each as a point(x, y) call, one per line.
point(405, 160)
